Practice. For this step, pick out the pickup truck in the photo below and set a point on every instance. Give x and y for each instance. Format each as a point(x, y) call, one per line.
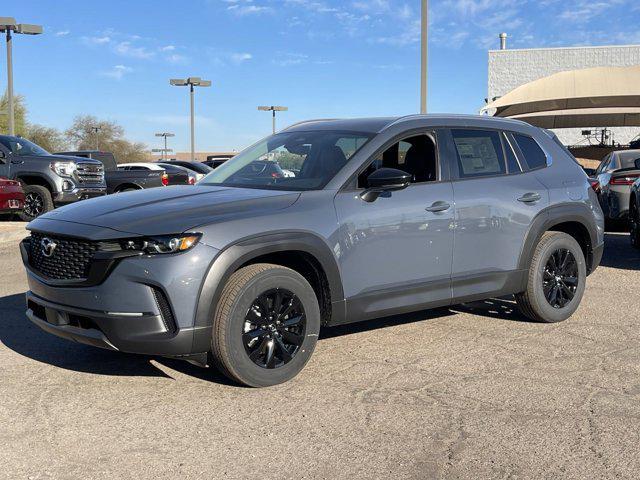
point(48, 180)
point(123, 180)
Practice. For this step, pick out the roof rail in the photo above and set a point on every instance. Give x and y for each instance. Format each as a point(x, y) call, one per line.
point(309, 121)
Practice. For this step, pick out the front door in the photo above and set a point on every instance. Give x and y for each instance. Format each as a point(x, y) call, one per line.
point(395, 252)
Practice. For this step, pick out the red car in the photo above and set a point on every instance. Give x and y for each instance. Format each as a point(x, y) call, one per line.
point(11, 196)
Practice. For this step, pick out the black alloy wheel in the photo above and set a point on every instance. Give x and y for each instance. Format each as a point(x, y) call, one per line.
point(33, 204)
point(560, 278)
point(274, 328)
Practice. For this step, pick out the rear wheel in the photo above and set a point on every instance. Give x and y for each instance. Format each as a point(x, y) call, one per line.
point(557, 278)
point(266, 325)
point(37, 201)
point(634, 224)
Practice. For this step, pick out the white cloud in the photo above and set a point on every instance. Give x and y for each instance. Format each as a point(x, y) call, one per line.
point(117, 72)
point(62, 33)
point(239, 58)
point(168, 48)
point(127, 49)
point(102, 40)
point(288, 59)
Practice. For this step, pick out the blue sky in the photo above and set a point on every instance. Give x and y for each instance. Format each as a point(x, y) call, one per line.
point(322, 58)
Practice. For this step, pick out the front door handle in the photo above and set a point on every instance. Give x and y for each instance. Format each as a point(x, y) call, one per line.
point(530, 197)
point(439, 206)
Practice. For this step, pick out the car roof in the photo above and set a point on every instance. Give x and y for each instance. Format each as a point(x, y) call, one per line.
point(379, 124)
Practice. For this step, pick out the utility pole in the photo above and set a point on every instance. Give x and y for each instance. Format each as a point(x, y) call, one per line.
point(165, 150)
point(95, 131)
point(191, 82)
point(273, 109)
point(9, 25)
point(424, 49)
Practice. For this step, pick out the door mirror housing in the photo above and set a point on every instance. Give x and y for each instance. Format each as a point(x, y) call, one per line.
point(385, 180)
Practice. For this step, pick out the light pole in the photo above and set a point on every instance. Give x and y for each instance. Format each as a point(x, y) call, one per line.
point(165, 135)
point(191, 82)
point(424, 29)
point(273, 109)
point(95, 131)
point(9, 25)
point(162, 151)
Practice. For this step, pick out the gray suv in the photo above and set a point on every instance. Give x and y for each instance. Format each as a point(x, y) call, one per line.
point(49, 180)
point(380, 216)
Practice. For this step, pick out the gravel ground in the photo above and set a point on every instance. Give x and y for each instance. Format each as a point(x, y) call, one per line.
point(468, 392)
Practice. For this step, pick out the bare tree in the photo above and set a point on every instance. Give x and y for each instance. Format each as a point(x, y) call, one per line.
point(19, 114)
point(51, 139)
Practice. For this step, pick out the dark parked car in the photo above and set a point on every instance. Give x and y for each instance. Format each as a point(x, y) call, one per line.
point(384, 216)
point(119, 181)
point(49, 180)
point(11, 196)
point(174, 175)
point(634, 211)
point(200, 169)
point(215, 161)
point(615, 175)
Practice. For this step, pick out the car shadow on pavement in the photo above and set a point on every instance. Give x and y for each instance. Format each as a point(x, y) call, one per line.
point(618, 252)
point(504, 308)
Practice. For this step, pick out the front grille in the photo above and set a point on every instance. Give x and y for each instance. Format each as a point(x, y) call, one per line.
point(89, 173)
point(69, 260)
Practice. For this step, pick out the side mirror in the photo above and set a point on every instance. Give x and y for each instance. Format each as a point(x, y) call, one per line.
point(385, 180)
point(589, 171)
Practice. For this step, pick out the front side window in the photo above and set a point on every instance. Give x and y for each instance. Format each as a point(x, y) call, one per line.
point(21, 147)
point(414, 155)
point(290, 161)
point(533, 154)
point(479, 153)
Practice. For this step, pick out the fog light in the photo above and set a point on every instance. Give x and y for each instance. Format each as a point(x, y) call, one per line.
point(67, 185)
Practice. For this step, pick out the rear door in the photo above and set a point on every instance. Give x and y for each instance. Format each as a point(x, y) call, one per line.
point(496, 198)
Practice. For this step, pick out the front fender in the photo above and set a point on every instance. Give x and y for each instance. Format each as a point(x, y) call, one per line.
point(232, 257)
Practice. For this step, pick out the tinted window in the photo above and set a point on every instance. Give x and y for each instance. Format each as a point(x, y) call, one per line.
point(533, 154)
point(479, 153)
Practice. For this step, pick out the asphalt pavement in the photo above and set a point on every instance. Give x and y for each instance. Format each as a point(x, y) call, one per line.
point(473, 392)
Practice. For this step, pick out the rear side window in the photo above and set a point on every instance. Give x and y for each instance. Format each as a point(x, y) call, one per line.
point(479, 153)
point(533, 154)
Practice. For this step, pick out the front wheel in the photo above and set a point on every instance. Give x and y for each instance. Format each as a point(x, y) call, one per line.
point(266, 325)
point(37, 201)
point(557, 278)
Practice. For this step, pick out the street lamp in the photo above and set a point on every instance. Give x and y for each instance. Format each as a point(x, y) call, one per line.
point(424, 29)
point(9, 25)
point(191, 82)
point(162, 151)
point(165, 150)
point(95, 131)
point(273, 109)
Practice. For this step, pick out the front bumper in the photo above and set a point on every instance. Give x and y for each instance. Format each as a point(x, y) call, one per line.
point(146, 304)
point(79, 193)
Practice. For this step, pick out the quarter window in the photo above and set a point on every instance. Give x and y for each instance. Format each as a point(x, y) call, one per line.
point(479, 153)
point(532, 152)
point(512, 161)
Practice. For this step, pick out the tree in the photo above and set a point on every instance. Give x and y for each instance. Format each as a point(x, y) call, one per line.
point(89, 133)
point(19, 114)
point(51, 139)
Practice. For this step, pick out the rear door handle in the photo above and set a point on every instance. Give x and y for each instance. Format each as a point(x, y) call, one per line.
point(530, 197)
point(439, 206)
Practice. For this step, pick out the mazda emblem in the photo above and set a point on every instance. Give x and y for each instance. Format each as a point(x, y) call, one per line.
point(48, 246)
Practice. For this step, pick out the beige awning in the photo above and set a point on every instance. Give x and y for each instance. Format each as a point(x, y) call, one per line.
point(592, 97)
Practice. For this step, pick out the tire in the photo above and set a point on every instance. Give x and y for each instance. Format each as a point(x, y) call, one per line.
point(634, 225)
point(239, 317)
point(533, 302)
point(38, 201)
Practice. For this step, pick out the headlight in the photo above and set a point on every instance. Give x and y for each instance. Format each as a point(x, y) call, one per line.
point(164, 244)
point(63, 169)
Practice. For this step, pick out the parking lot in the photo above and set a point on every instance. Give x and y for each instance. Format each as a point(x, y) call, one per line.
point(467, 392)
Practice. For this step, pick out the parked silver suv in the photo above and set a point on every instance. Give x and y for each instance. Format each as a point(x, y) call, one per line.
point(381, 216)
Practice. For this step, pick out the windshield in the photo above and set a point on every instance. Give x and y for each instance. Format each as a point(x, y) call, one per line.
point(21, 147)
point(289, 161)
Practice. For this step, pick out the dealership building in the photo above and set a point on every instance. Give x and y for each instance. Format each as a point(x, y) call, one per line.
point(510, 69)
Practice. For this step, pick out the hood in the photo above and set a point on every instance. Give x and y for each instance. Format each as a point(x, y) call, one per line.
point(168, 210)
point(69, 158)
